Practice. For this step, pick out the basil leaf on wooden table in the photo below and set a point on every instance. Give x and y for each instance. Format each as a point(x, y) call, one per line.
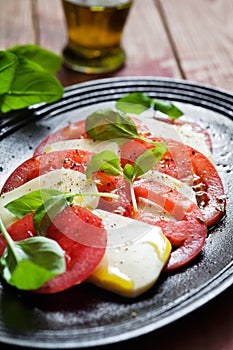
point(7, 70)
point(45, 58)
point(26, 74)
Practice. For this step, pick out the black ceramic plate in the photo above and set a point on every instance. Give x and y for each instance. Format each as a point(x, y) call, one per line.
point(86, 316)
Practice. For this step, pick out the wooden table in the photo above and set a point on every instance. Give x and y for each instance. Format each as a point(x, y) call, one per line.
point(171, 38)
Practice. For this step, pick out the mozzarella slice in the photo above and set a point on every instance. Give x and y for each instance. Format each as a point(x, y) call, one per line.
point(193, 139)
point(64, 180)
point(170, 181)
point(132, 264)
point(178, 133)
point(151, 210)
point(83, 144)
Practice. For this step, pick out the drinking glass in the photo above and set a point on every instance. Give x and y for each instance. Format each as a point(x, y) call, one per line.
point(94, 29)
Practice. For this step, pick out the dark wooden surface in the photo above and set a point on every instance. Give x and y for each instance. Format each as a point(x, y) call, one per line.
point(189, 39)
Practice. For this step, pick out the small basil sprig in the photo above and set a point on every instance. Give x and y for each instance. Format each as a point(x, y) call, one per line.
point(108, 163)
point(138, 102)
point(30, 202)
point(46, 204)
point(29, 263)
point(109, 124)
point(27, 77)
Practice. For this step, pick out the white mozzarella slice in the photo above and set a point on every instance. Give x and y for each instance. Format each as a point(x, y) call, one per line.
point(151, 210)
point(181, 133)
point(193, 139)
point(83, 144)
point(64, 180)
point(132, 264)
point(170, 181)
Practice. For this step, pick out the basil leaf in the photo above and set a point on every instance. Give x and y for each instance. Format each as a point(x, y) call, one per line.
point(129, 172)
point(29, 263)
point(44, 215)
point(8, 66)
point(45, 58)
point(30, 202)
point(148, 160)
point(168, 108)
point(38, 260)
point(136, 103)
point(32, 84)
point(109, 124)
point(106, 161)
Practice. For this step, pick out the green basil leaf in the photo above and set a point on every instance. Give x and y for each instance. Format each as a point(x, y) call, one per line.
point(29, 263)
point(33, 262)
point(44, 215)
point(136, 103)
point(168, 108)
point(108, 124)
point(45, 58)
point(129, 172)
point(107, 162)
point(30, 202)
point(32, 84)
point(8, 66)
point(148, 159)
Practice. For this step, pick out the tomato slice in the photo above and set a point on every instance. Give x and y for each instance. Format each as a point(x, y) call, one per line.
point(42, 163)
point(20, 229)
point(77, 130)
point(208, 187)
point(116, 185)
point(188, 165)
point(70, 132)
point(175, 162)
point(187, 233)
point(80, 234)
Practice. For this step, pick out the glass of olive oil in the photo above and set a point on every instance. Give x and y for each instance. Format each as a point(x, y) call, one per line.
point(95, 30)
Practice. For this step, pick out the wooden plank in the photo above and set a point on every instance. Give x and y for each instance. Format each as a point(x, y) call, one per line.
point(146, 43)
point(16, 23)
point(50, 23)
point(202, 33)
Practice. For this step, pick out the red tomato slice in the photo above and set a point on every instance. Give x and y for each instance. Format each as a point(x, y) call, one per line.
point(77, 130)
point(175, 162)
point(116, 185)
point(80, 234)
point(191, 166)
point(187, 233)
point(208, 187)
point(70, 132)
point(42, 163)
point(21, 229)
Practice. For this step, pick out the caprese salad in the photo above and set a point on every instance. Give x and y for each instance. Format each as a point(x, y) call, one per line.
point(115, 200)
